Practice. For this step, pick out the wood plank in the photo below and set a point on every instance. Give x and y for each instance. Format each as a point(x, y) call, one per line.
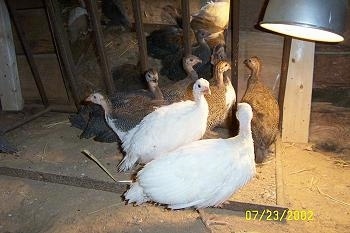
point(269, 48)
point(332, 70)
point(10, 88)
point(36, 27)
point(297, 100)
point(25, 4)
point(251, 13)
point(279, 153)
point(118, 187)
point(50, 74)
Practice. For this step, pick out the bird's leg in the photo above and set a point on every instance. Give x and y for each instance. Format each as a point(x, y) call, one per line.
point(210, 221)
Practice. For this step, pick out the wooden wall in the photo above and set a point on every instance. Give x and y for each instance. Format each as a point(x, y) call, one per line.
point(35, 25)
point(330, 70)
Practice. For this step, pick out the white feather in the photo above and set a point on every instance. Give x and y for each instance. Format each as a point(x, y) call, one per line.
point(215, 12)
point(230, 95)
point(164, 130)
point(200, 174)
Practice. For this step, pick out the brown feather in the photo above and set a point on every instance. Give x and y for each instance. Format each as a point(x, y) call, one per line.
point(265, 111)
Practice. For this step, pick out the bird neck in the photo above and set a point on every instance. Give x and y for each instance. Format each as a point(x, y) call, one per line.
point(219, 77)
point(245, 129)
point(157, 93)
point(191, 73)
point(255, 74)
point(107, 107)
point(199, 98)
point(202, 42)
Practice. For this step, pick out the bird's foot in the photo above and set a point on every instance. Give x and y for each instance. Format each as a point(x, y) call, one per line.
point(212, 220)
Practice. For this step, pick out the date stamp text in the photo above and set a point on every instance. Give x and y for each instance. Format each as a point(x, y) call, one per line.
point(278, 215)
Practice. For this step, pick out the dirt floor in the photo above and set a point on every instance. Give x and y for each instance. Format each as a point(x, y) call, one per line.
point(309, 180)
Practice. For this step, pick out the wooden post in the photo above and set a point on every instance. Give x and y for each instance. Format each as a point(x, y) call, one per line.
point(10, 88)
point(297, 98)
point(136, 7)
point(284, 73)
point(185, 6)
point(95, 23)
point(64, 53)
point(234, 20)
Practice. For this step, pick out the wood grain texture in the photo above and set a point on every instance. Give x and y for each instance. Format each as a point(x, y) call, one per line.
point(50, 74)
point(268, 48)
point(35, 25)
point(10, 88)
point(332, 70)
point(297, 100)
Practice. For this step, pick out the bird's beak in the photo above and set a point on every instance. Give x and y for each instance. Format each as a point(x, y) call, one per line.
point(207, 91)
point(245, 61)
point(88, 99)
point(199, 61)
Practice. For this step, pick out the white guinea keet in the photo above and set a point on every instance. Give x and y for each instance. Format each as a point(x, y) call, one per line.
point(164, 129)
point(200, 174)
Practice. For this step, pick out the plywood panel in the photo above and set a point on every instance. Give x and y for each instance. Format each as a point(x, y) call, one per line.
point(10, 88)
point(35, 25)
point(332, 70)
point(266, 46)
point(50, 74)
point(251, 12)
point(25, 4)
point(297, 100)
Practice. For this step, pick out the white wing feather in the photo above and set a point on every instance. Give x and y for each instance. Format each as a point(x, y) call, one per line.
point(189, 176)
point(164, 130)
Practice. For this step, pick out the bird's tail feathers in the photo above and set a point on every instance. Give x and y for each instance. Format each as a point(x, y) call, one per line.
point(127, 163)
point(135, 194)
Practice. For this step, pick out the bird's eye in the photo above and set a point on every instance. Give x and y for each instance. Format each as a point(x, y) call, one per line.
point(191, 59)
point(249, 60)
point(199, 86)
point(94, 97)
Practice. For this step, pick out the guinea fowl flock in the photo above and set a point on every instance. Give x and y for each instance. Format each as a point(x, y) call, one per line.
point(163, 128)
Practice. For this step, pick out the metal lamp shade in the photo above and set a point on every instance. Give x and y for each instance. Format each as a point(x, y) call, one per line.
point(317, 20)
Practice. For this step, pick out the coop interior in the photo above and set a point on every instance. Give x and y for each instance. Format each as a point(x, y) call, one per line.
point(170, 116)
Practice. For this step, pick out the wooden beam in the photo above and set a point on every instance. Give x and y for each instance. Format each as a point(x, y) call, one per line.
point(297, 98)
point(284, 73)
point(10, 88)
point(234, 24)
point(64, 53)
point(140, 34)
point(28, 52)
point(96, 27)
point(185, 6)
